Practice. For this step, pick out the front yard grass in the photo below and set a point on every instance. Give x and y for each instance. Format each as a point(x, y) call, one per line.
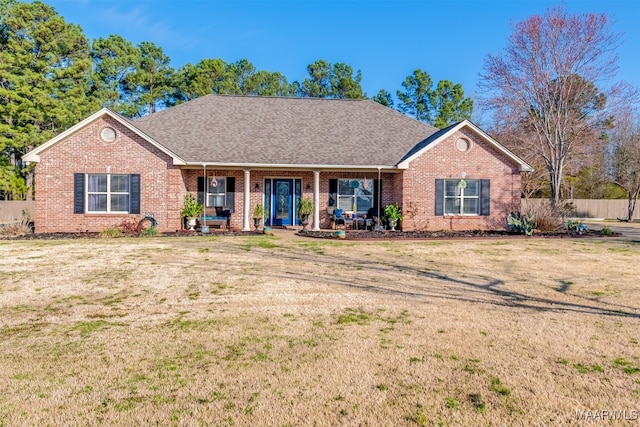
point(267, 331)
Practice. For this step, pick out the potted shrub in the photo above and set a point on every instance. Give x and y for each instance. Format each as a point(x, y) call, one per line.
point(259, 214)
point(393, 215)
point(191, 210)
point(305, 208)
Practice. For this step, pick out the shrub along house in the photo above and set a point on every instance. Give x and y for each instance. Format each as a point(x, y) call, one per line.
point(238, 151)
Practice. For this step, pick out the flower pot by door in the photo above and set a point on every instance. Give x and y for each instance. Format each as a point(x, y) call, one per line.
point(256, 223)
point(191, 223)
point(304, 220)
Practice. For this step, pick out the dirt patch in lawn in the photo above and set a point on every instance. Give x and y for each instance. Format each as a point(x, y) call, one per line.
point(256, 330)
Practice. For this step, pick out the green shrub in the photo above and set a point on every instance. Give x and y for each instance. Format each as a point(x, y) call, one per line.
point(111, 232)
point(149, 232)
point(521, 223)
point(606, 231)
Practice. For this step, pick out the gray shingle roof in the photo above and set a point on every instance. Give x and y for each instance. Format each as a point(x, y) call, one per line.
point(285, 131)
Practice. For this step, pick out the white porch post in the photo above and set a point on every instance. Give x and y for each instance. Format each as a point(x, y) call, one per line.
point(247, 201)
point(316, 201)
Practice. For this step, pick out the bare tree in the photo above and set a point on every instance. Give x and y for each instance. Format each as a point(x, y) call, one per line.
point(625, 164)
point(546, 81)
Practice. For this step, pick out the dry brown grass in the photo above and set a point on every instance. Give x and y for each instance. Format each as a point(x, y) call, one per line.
point(267, 331)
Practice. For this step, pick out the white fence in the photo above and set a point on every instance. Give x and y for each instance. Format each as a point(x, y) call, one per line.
point(591, 208)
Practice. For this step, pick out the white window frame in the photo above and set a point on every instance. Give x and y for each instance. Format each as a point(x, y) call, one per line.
point(108, 193)
point(212, 194)
point(353, 197)
point(460, 196)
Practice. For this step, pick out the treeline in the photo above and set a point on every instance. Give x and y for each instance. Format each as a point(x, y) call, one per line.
point(52, 76)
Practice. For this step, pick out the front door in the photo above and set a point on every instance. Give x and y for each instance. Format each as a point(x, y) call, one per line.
point(282, 202)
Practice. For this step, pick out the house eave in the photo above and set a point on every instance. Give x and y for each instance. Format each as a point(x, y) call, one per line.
point(286, 166)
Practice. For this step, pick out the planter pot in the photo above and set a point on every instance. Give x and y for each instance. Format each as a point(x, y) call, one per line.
point(392, 224)
point(191, 223)
point(204, 229)
point(256, 223)
point(341, 234)
point(304, 220)
point(267, 230)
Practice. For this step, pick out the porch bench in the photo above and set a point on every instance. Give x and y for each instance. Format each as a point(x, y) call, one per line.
point(221, 218)
point(220, 221)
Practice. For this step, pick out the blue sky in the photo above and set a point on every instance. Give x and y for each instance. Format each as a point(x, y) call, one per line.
point(386, 40)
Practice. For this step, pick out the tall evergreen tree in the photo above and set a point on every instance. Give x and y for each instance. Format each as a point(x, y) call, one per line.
point(415, 100)
point(149, 86)
point(383, 97)
point(114, 60)
point(44, 80)
point(449, 104)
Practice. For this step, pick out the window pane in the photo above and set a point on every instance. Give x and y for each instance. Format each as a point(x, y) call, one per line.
point(216, 200)
point(451, 188)
point(470, 206)
point(452, 206)
point(472, 188)
point(364, 203)
point(97, 183)
point(120, 203)
point(119, 183)
point(344, 187)
point(217, 186)
point(345, 203)
point(97, 203)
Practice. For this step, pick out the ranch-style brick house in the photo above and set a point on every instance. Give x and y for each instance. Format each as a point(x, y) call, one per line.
point(235, 152)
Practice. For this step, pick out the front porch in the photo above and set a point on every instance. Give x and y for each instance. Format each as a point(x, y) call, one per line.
point(279, 192)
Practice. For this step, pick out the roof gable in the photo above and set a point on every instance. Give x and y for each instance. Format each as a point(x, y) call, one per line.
point(437, 137)
point(34, 155)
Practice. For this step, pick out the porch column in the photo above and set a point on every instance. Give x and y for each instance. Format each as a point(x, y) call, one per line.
point(316, 201)
point(247, 201)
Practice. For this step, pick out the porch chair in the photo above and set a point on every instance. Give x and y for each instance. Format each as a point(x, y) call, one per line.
point(339, 218)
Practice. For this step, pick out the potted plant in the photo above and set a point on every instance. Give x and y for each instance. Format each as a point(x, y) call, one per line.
point(258, 215)
point(393, 214)
point(305, 208)
point(191, 209)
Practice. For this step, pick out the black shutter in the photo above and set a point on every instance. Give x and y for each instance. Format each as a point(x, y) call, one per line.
point(201, 189)
point(78, 193)
point(333, 193)
point(439, 197)
point(135, 194)
point(377, 195)
point(485, 197)
point(231, 193)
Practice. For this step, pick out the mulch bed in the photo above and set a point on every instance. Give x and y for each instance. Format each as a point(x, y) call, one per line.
point(367, 235)
point(349, 235)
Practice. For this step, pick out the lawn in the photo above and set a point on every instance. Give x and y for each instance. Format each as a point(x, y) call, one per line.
point(267, 331)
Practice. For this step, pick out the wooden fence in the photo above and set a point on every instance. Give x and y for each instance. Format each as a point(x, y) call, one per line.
point(11, 210)
point(590, 208)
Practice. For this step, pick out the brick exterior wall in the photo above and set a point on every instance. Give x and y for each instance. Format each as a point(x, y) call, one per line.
point(163, 185)
point(445, 161)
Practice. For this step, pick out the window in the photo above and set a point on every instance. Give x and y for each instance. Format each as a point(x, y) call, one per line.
point(108, 193)
point(463, 197)
point(355, 194)
point(105, 193)
point(216, 191)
